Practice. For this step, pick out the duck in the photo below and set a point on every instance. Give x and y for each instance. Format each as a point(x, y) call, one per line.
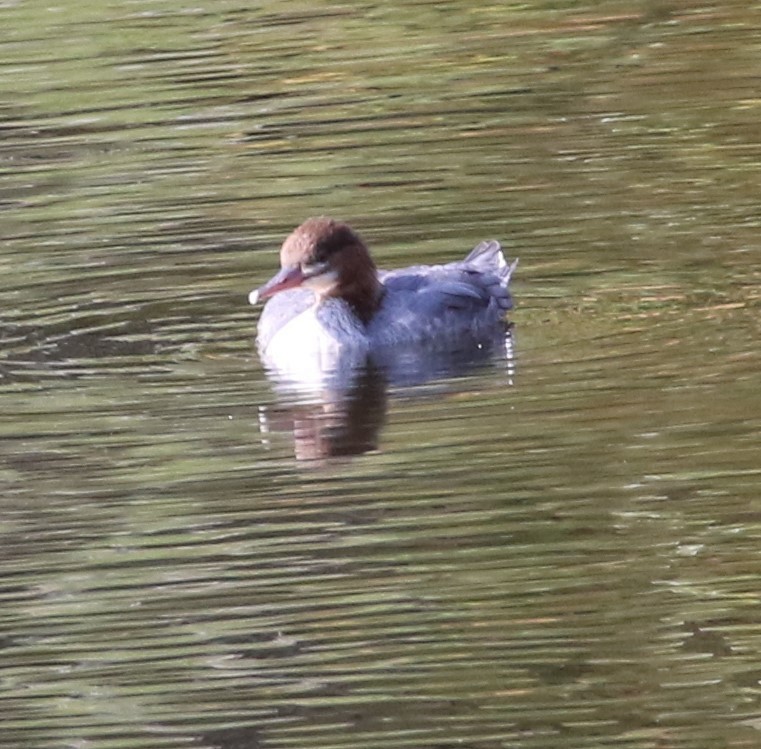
point(329, 304)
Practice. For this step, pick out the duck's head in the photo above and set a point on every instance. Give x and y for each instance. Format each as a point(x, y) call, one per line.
point(329, 258)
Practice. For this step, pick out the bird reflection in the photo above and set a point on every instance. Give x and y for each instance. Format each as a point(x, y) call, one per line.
point(342, 413)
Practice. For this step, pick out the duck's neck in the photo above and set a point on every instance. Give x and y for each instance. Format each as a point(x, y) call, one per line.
point(364, 295)
point(359, 285)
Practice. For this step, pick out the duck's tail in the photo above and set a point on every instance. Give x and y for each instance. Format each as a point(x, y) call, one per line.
point(487, 257)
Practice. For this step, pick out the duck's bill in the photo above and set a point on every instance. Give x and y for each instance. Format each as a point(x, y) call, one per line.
point(287, 278)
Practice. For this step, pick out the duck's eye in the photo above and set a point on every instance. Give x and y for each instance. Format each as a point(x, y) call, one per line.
point(315, 268)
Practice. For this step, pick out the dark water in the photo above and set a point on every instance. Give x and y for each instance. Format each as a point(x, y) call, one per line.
point(555, 549)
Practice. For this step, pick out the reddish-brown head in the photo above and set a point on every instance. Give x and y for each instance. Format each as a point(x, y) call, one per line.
point(331, 259)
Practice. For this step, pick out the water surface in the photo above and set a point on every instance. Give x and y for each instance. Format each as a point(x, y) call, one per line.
point(557, 548)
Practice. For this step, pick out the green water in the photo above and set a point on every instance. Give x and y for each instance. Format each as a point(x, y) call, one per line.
point(558, 550)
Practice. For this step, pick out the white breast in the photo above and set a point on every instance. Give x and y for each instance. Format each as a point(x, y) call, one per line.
point(306, 352)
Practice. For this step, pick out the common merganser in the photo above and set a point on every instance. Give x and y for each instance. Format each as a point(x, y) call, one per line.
point(329, 300)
